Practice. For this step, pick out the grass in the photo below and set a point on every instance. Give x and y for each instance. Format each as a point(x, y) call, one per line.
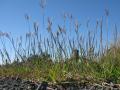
point(60, 56)
point(39, 69)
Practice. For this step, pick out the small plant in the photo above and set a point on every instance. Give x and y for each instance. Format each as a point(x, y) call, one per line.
point(62, 54)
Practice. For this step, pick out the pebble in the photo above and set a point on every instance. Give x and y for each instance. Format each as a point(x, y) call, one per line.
point(12, 83)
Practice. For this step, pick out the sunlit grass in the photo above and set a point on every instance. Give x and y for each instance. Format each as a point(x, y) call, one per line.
point(62, 56)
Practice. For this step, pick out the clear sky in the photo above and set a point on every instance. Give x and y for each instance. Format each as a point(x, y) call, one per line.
point(12, 13)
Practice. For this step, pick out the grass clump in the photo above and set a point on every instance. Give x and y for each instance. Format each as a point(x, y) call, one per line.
point(62, 55)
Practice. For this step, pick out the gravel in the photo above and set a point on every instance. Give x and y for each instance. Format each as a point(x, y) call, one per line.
point(13, 83)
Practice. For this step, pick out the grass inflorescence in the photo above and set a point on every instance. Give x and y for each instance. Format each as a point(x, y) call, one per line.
point(63, 54)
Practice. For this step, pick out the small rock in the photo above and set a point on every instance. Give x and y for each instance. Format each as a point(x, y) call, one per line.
point(43, 86)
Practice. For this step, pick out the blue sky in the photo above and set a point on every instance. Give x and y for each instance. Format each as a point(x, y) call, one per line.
point(12, 13)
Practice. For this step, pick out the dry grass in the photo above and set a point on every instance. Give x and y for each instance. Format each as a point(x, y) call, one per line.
point(62, 54)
